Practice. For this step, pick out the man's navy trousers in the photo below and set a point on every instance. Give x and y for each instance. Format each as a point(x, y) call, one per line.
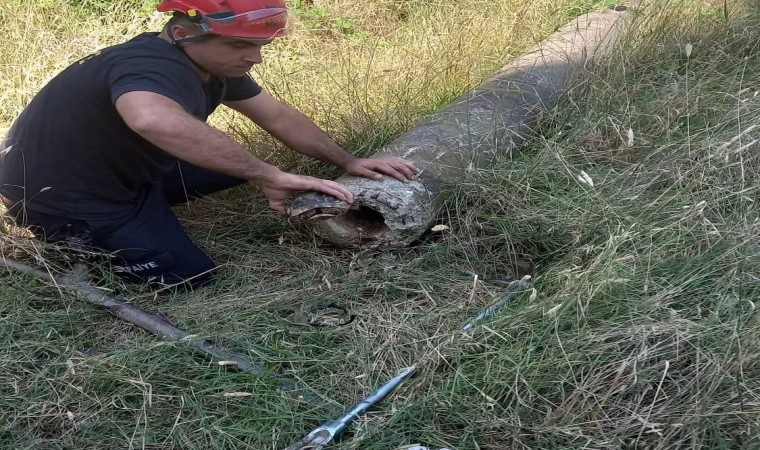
point(149, 245)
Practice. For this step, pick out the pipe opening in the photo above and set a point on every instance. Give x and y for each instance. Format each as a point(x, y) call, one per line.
point(367, 222)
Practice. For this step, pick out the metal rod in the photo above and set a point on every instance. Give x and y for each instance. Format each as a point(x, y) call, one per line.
point(326, 433)
point(322, 436)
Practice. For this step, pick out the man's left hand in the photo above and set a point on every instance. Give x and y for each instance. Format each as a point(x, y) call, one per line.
point(397, 168)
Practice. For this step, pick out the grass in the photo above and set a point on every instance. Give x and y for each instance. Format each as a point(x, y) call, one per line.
point(643, 334)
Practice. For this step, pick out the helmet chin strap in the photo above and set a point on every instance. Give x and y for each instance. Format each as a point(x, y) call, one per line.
point(178, 43)
point(204, 36)
point(199, 38)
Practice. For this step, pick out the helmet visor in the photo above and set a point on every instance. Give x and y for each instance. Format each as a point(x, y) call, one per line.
point(264, 23)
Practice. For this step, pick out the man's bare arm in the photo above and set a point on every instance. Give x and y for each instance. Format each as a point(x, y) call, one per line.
point(164, 123)
point(298, 132)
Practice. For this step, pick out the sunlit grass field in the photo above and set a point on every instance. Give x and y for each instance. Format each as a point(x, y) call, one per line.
point(634, 207)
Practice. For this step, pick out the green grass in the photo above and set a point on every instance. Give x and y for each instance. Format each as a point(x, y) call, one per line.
point(643, 333)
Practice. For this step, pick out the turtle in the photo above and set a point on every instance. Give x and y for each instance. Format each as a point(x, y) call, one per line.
point(314, 207)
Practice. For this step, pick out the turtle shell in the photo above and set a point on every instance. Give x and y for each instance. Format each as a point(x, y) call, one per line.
point(315, 206)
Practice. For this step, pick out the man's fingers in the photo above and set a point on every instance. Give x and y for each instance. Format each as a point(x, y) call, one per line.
point(399, 175)
point(389, 169)
point(397, 168)
point(337, 190)
point(369, 173)
point(400, 169)
point(408, 172)
point(407, 167)
point(349, 196)
point(278, 206)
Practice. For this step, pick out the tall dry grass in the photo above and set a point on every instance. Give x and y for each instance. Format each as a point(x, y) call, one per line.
point(635, 208)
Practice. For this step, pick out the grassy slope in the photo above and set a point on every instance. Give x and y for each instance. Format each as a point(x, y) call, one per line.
point(643, 333)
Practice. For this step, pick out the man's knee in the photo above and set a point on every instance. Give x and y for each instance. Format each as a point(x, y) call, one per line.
point(189, 182)
point(162, 268)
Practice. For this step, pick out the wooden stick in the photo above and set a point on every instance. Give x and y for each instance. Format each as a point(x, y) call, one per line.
point(161, 327)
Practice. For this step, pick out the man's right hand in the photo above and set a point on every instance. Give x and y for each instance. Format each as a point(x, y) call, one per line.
point(283, 186)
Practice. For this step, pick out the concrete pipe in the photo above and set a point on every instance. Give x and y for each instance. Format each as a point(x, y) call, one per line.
point(497, 116)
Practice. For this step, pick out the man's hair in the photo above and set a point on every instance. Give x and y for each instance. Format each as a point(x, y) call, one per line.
point(184, 21)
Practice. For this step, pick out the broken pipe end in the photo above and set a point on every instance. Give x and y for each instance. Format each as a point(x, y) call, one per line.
point(385, 213)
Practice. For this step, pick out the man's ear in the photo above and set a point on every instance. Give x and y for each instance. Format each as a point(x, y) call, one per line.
point(182, 32)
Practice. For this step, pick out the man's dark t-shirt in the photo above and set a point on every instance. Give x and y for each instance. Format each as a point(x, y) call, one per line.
point(70, 154)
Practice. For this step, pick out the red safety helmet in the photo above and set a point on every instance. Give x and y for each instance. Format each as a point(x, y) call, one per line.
point(244, 19)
